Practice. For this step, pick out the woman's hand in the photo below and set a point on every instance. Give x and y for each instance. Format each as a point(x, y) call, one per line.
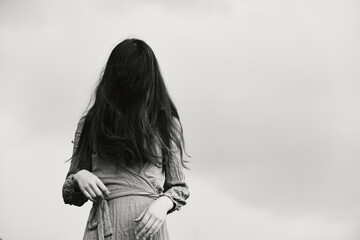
point(90, 185)
point(152, 218)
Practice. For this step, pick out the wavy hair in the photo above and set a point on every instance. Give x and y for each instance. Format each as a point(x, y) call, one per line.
point(132, 119)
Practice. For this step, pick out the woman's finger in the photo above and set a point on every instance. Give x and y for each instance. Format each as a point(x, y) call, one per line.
point(146, 228)
point(97, 191)
point(83, 190)
point(141, 215)
point(91, 192)
point(151, 230)
point(103, 188)
point(158, 227)
point(142, 223)
point(88, 196)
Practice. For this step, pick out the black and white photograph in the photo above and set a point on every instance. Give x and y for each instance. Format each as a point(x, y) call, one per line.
point(180, 120)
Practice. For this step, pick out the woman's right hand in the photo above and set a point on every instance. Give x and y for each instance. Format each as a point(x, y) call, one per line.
point(90, 185)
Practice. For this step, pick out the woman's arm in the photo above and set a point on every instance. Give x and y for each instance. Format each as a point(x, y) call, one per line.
point(80, 183)
point(71, 193)
point(175, 193)
point(175, 186)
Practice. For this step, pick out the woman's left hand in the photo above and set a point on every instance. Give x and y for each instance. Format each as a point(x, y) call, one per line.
point(152, 218)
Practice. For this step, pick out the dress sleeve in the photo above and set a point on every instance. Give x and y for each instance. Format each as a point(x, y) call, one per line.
point(175, 186)
point(70, 193)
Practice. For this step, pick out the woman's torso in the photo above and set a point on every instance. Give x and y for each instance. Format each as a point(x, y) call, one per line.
point(148, 178)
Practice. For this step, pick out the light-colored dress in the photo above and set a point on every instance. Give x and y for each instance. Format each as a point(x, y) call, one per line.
point(132, 191)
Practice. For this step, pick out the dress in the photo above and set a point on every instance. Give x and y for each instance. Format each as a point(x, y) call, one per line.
point(132, 190)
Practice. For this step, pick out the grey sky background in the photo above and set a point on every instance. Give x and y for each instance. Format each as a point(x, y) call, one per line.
point(268, 92)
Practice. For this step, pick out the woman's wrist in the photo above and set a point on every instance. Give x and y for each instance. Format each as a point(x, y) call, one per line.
point(74, 184)
point(167, 202)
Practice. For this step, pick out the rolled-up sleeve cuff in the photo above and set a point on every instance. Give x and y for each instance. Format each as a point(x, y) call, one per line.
point(71, 195)
point(178, 196)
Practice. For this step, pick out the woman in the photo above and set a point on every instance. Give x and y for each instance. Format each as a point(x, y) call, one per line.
point(128, 151)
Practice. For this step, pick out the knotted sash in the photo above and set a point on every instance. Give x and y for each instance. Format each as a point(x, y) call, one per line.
point(100, 213)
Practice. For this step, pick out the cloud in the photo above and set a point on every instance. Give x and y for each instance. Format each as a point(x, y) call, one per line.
point(214, 214)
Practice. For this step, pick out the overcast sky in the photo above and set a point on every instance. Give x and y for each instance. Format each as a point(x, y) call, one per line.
point(268, 93)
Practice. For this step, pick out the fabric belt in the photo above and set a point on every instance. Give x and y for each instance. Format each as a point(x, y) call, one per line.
point(100, 214)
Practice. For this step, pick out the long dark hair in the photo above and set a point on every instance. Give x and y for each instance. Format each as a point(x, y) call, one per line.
point(132, 119)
